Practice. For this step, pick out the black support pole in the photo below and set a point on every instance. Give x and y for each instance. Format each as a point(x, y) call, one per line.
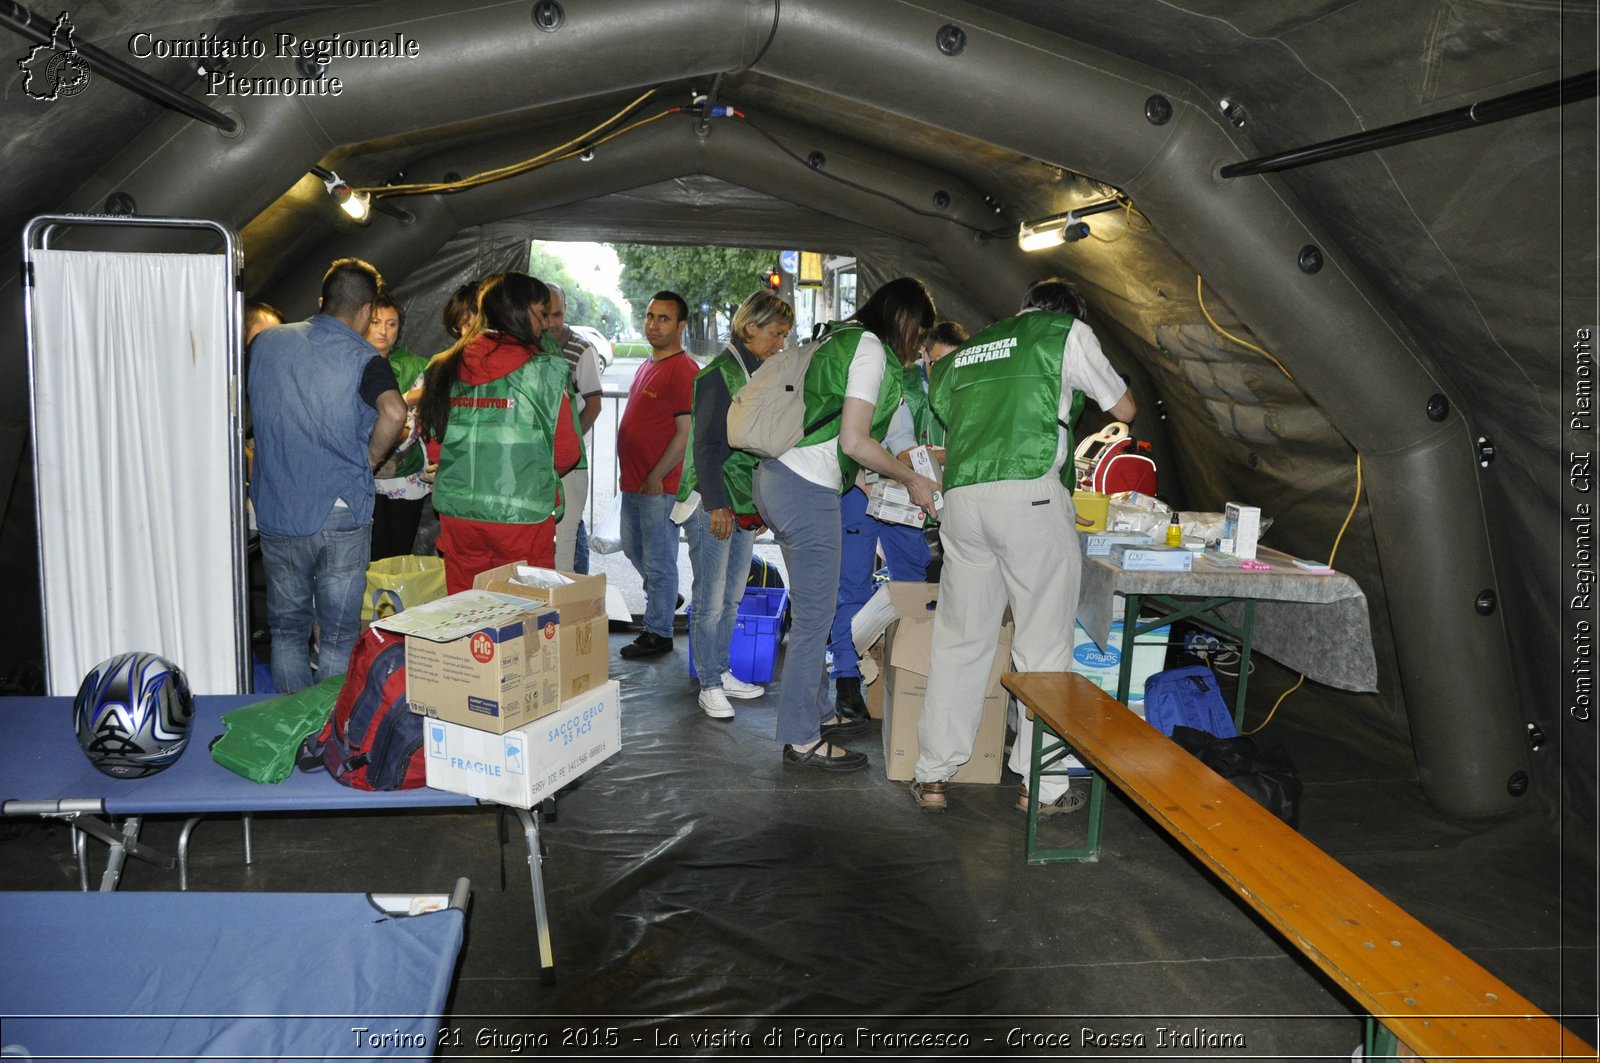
point(1569, 90)
point(37, 29)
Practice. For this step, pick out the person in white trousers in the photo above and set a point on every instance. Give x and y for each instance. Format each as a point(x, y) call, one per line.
point(1007, 399)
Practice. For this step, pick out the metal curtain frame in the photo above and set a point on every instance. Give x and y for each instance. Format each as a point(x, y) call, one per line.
point(42, 228)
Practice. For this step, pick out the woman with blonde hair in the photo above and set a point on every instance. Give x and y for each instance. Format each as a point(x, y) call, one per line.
point(716, 490)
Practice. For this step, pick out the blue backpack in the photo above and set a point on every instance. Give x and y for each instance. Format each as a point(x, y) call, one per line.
point(1187, 697)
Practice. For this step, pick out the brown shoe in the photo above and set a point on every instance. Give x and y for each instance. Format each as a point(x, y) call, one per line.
point(1071, 801)
point(930, 796)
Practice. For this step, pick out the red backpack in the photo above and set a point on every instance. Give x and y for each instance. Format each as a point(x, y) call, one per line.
point(372, 740)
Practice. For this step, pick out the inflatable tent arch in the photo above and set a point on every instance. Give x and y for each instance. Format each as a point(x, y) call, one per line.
point(1093, 115)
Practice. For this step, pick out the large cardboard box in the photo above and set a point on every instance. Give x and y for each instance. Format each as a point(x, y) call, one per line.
point(480, 659)
point(529, 763)
point(908, 651)
point(1102, 666)
point(585, 628)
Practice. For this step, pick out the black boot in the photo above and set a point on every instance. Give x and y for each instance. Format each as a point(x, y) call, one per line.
point(847, 701)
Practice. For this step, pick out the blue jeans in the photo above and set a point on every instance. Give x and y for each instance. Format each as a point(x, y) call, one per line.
point(721, 570)
point(580, 556)
point(805, 518)
point(321, 576)
point(905, 553)
point(650, 542)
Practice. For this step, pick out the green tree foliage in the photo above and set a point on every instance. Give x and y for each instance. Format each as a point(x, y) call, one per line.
point(583, 306)
point(721, 276)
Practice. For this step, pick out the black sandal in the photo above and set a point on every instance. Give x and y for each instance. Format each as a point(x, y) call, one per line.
point(821, 756)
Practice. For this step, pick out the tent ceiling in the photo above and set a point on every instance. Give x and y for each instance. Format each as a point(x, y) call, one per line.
point(1452, 244)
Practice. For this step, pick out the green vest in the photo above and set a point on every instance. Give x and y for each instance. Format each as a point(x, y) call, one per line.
point(826, 379)
point(914, 386)
point(406, 368)
point(497, 460)
point(738, 472)
point(999, 397)
point(547, 345)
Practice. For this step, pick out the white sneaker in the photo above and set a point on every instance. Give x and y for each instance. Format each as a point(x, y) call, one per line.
point(714, 703)
point(738, 688)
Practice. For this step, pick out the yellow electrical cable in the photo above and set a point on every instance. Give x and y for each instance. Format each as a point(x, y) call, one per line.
point(1199, 294)
point(512, 169)
point(1128, 212)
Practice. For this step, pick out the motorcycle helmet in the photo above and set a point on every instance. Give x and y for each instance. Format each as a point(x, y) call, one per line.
point(133, 715)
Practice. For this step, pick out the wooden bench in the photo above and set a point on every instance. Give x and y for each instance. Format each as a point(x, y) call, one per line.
point(1426, 993)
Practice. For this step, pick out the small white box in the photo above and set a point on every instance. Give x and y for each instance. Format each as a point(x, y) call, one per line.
point(526, 764)
point(891, 503)
point(1151, 558)
point(1099, 544)
point(1242, 524)
point(925, 463)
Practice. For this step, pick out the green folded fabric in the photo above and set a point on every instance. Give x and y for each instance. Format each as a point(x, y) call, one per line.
point(260, 741)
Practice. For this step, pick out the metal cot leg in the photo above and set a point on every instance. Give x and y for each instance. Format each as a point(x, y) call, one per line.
point(541, 915)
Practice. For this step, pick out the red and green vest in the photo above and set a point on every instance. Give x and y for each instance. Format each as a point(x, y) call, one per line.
point(999, 397)
point(497, 460)
point(826, 379)
point(738, 472)
point(548, 345)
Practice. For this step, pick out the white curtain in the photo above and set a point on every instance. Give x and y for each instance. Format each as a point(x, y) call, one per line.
point(136, 460)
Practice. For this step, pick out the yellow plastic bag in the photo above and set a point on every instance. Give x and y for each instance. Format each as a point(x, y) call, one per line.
point(397, 583)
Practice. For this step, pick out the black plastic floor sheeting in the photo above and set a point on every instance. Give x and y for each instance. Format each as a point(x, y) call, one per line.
point(707, 899)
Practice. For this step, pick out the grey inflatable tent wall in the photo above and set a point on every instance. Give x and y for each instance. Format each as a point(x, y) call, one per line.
point(1451, 276)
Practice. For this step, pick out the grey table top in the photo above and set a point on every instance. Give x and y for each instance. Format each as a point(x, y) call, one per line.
point(1309, 622)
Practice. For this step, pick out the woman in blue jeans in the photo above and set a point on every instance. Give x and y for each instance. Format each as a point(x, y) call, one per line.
point(849, 397)
point(719, 544)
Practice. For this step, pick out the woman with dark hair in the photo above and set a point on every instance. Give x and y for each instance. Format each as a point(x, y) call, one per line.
point(401, 491)
point(850, 393)
point(460, 309)
point(505, 429)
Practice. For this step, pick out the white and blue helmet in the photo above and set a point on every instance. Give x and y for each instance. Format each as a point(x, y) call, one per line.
point(133, 715)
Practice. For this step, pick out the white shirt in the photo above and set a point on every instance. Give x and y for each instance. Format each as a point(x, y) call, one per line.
point(819, 462)
point(1084, 368)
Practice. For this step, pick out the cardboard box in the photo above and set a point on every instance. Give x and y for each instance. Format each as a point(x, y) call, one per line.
point(872, 689)
point(529, 763)
point(908, 651)
point(1242, 525)
point(480, 660)
point(1152, 558)
point(585, 628)
point(1102, 666)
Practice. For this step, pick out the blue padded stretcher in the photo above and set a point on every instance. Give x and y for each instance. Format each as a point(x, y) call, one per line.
point(225, 975)
point(43, 772)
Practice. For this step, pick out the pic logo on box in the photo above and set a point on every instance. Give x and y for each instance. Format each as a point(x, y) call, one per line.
point(549, 630)
point(482, 647)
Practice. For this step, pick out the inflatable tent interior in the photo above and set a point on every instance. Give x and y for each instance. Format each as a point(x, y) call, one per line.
point(1397, 323)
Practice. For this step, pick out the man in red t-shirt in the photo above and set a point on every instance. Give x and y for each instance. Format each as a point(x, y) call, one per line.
point(650, 443)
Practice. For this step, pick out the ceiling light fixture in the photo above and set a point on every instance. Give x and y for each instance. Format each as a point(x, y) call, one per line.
point(356, 204)
point(1058, 229)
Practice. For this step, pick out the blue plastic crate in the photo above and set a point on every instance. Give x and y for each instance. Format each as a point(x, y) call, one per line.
point(756, 633)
